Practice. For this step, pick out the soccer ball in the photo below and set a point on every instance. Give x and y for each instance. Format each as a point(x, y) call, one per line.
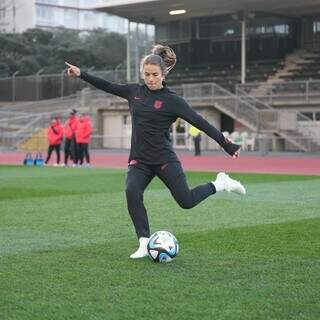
point(163, 246)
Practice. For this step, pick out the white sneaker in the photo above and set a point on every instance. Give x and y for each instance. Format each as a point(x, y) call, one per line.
point(142, 250)
point(224, 183)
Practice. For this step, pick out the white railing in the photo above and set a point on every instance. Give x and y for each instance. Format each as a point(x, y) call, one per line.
point(259, 93)
point(262, 143)
point(289, 91)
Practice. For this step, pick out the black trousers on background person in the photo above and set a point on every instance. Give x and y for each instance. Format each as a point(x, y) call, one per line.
point(83, 149)
point(197, 140)
point(140, 175)
point(50, 149)
point(70, 151)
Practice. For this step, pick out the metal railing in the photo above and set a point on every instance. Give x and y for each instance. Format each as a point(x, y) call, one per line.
point(49, 86)
point(261, 143)
point(246, 110)
point(283, 92)
point(245, 92)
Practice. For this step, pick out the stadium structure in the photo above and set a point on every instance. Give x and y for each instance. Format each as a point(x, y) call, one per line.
point(20, 15)
point(251, 68)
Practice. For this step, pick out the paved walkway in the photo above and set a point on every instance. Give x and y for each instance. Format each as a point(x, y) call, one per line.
point(278, 163)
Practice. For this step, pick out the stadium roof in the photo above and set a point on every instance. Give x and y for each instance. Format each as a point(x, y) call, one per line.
point(157, 11)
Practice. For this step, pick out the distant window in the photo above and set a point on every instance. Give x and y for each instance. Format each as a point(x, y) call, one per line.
point(317, 116)
point(229, 32)
point(2, 13)
point(305, 116)
point(316, 26)
point(71, 18)
point(70, 3)
point(126, 120)
point(269, 29)
point(281, 29)
point(45, 15)
point(88, 20)
point(48, 1)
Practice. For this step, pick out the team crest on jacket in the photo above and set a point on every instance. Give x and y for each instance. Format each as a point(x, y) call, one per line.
point(157, 104)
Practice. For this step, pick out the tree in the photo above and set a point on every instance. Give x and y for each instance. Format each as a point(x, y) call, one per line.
point(37, 49)
point(4, 70)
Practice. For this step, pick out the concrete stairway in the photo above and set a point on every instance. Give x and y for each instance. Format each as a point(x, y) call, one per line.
point(38, 141)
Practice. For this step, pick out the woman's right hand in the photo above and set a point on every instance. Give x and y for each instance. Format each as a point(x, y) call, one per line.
point(72, 70)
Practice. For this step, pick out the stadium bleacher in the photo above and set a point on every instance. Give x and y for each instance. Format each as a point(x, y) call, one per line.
point(226, 75)
point(308, 68)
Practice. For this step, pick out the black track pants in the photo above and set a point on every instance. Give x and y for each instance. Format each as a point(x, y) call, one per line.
point(50, 149)
point(83, 152)
point(70, 150)
point(140, 175)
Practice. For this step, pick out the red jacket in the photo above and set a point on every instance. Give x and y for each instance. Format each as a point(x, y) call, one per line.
point(55, 133)
point(84, 130)
point(70, 126)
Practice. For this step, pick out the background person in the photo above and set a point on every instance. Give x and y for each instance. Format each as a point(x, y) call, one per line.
point(70, 144)
point(154, 108)
point(195, 134)
point(83, 137)
point(55, 136)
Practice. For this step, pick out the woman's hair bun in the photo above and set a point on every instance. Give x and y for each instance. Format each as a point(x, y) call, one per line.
point(167, 54)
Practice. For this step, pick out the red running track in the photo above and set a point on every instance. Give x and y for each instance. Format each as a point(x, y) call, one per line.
point(308, 165)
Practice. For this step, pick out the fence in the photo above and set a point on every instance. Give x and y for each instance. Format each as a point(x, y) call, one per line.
point(302, 92)
point(261, 143)
point(49, 86)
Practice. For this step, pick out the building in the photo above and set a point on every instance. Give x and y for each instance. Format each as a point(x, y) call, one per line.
point(20, 15)
point(269, 45)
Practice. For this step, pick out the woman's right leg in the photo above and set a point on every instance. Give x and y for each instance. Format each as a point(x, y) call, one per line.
point(57, 149)
point(80, 152)
point(138, 178)
point(50, 148)
point(86, 153)
point(174, 178)
point(66, 150)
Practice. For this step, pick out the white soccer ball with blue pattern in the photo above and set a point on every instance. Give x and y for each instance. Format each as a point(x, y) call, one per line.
point(163, 246)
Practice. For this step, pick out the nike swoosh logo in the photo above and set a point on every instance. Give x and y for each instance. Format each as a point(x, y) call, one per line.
point(137, 98)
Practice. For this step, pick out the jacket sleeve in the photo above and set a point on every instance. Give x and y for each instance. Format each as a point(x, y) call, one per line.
point(87, 130)
point(60, 132)
point(184, 111)
point(120, 90)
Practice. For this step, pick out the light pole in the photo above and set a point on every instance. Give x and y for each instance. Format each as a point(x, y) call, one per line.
point(91, 69)
point(13, 77)
point(38, 84)
point(62, 81)
point(128, 53)
point(116, 70)
point(243, 17)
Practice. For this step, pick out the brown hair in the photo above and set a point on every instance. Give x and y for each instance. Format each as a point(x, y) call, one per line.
point(162, 56)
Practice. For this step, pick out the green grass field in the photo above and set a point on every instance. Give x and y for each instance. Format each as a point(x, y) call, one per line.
point(66, 237)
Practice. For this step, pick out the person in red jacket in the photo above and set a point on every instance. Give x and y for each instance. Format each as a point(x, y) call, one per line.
point(55, 135)
point(70, 145)
point(83, 137)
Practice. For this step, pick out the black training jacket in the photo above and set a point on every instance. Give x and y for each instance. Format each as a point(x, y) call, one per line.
point(153, 112)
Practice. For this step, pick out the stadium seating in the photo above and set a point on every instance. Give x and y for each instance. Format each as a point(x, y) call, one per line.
point(308, 68)
point(38, 141)
point(244, 138)
point(225, 75)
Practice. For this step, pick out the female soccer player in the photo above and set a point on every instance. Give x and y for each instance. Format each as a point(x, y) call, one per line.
point(154, 108)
